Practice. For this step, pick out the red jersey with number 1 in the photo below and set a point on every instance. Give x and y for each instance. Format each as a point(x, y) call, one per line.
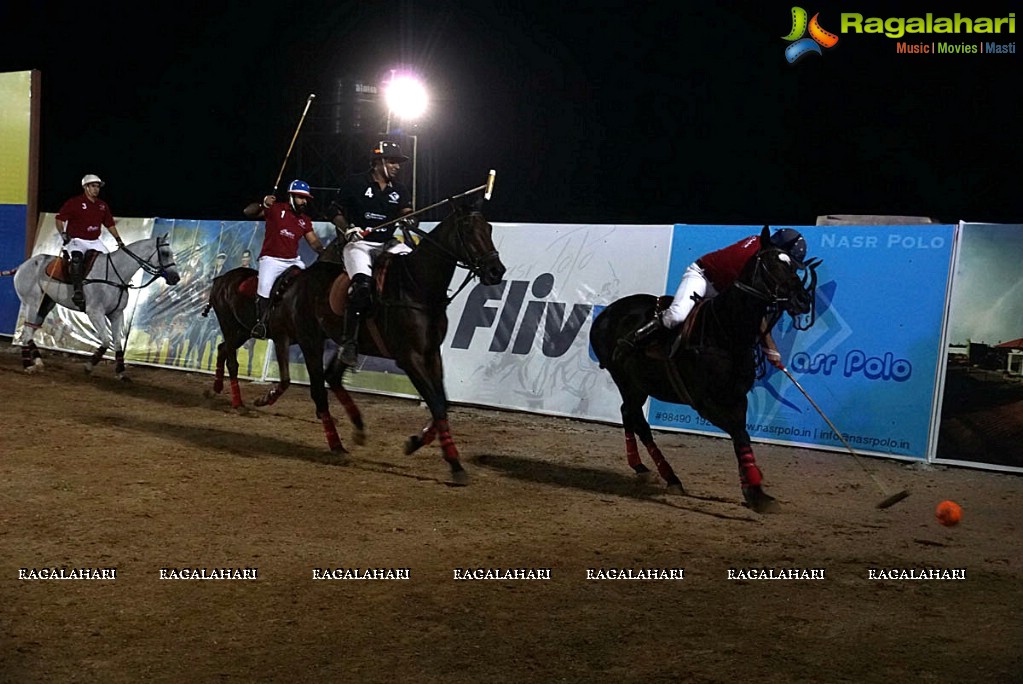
point(284, 230)
point(723, 267)
point(84, 217)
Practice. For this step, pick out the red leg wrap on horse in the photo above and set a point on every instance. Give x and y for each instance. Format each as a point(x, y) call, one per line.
point(663, 468)
point(447, 444)
point(330, 430)
point(749, 473)
point(26, 356)
point(236, 394)
point(349, 406)
point(631, 450)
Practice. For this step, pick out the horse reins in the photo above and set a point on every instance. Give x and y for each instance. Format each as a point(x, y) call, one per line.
point(154, 271)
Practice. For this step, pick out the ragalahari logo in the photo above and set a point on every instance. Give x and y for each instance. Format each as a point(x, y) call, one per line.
point(801, 47)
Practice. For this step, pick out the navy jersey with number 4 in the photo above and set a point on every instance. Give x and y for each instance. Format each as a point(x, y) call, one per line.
point(366, 205)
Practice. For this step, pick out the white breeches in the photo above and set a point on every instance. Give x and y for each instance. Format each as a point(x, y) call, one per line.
point(82, 245)
point(270, 268)
point(694, 282)
point(359, 255)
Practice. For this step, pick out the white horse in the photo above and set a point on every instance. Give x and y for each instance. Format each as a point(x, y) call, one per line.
point(106, 294)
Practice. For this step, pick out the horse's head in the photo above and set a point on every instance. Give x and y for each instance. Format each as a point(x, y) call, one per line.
point(774, 276)
point(468, 236)
point(164, 258)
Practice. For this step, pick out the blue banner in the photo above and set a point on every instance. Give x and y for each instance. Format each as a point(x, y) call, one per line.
point(870, 361)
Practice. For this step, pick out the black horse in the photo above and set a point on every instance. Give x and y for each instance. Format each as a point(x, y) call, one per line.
point(407, 324)
point(714, 369)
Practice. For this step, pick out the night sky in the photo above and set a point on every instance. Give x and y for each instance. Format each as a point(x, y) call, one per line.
point(659, 113)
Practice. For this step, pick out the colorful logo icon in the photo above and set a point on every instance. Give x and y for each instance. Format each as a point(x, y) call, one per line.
point(801, 47)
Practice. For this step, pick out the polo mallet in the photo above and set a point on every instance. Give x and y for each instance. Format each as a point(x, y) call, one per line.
point(293, 138)
point(488, 190)
point(890, 499)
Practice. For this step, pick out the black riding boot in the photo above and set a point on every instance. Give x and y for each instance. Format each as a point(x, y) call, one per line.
point(262, 312)
point(360, 297)
point(349, 351)
point(635, 339)
point(77, 266)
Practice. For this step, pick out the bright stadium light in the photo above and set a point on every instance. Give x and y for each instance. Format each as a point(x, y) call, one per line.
point(405, 96)
point(406, 99)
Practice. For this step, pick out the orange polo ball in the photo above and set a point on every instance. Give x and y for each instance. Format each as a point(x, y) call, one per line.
point(948, 513)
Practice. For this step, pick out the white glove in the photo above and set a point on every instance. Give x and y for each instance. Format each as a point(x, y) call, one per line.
point(774, 357)
point(353, 234)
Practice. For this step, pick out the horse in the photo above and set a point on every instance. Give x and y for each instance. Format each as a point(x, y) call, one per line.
point(407, 324)
point(105, 286)
point(713, 369)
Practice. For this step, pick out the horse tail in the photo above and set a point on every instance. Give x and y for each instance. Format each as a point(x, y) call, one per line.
point(9, 272)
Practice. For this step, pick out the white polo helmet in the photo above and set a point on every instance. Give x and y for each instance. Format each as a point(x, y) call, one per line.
point(91, 178)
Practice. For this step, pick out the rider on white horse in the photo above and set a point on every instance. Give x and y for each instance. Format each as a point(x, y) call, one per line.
point(78, 224)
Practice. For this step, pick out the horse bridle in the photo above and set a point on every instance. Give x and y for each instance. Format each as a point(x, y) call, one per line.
point(772, 286)
point(473, 266)
point(156, 272)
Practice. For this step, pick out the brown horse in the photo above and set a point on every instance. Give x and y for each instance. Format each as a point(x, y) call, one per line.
point(407, 324)
point(715, 369)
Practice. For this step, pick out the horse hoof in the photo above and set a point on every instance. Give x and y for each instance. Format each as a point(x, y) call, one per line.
point(412, 444)
point(88, 369)
point(459, 478)
point(676, 489)
point(260, 401)
point(123, 377)
point(218, 386)
point(38, 363)
point(241, 409)
point(359, 437)
point(338, 448)
point(759, 500)
point(646, 476)
point(32, 370)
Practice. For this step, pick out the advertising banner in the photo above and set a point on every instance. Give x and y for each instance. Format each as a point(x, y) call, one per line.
point(870, 361)
point(15, 151)
point(982, 402)
point(524, 343)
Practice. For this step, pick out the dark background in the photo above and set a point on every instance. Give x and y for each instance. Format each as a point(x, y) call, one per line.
point(590, 112)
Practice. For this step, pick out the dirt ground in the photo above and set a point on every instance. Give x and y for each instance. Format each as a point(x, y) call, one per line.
point(150, 475)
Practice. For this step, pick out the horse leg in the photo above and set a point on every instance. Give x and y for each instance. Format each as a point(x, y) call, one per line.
point(425, 437)
point(318, 391)
point(281, 348)
point(335, 374)
point(750, 477)
point(99, 323)
point(31, 359)
point(218, 376)
point(227, 354)
point(732, 419)
point(116, 323)
point(427, 375)
point(642, 428)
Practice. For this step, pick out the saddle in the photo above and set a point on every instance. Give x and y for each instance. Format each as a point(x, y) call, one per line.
point(249, 286)
point(60, 267)
point(339, 288)
point(663, 347)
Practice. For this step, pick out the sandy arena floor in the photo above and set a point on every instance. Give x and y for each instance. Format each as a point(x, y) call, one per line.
point(149, 475)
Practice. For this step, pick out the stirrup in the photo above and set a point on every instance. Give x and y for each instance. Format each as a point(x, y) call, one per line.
point(259, 330)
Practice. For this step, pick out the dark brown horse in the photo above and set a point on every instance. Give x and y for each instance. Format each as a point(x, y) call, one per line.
point(408, 323)
point(715, 369)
